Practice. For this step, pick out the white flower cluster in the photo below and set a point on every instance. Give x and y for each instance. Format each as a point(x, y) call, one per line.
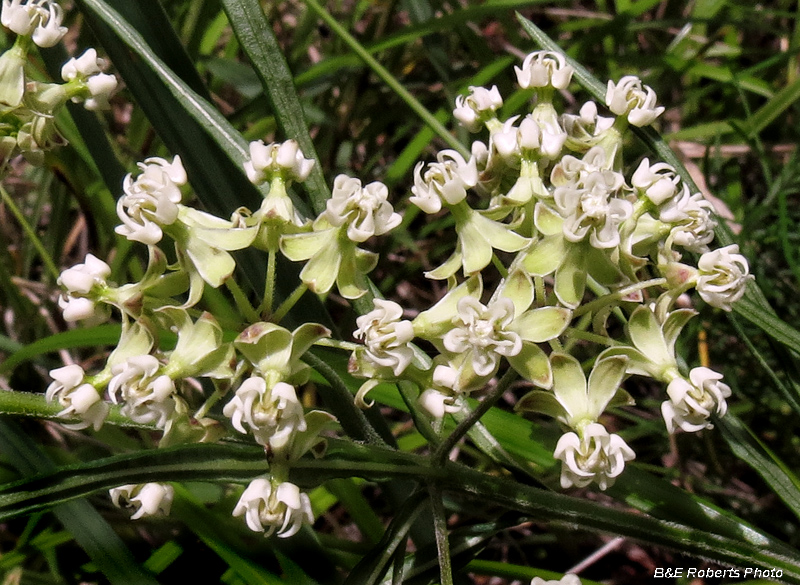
point(87, 70)
point(30, 105)
point(150, 201)
point(552, 190)
point(38, 19)
point(268, 506)
point(543, 199)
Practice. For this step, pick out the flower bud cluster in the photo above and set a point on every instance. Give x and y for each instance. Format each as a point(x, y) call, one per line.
point(29, 107)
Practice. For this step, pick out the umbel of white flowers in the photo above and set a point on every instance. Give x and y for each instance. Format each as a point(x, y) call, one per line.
point(543, 198)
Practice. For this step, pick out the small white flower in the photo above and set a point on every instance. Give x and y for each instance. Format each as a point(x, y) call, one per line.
point(282, 159)
point(151, 200)
point(86, 65)
point(268, 505)
point(40, 19)
point(100, 87)
point(482, 331)
point(273, 415)
point(691, 402)
point(587, 124)
point(658, 182)
point(78, 282)
point(481, 103)
point(366, 210)
point(437, 403)
point(386, 336)
point(146, 395)
point(82, 277)
point(149, 499)
point(79, 400)
point(691, 217)
point(596, 456)
point(511, 142)
point(568, 579)
point(544, 69)
point(722, 277)
point(591, 208)
point(446, 180)
point(630, 98)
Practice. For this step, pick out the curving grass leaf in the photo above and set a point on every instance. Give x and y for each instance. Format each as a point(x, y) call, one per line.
point(344, 459)
point(90, 530)
point(747, 447)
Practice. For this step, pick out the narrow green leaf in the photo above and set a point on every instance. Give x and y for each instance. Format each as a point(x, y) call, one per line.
point(750, 449)
point(373, 565)
point(393, 83)
point(212, 151)
point(770, 323)
point(90, 530)
point(769, 112)
point(90, 337)
point(345, 459)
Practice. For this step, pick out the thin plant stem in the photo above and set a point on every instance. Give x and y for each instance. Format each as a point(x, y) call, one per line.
point(290, 302)
point(617, 295)
point(30, 233)
point(440, 530)
point(244, 306)
point(211, 401)
point(269, 286)
point(422, 424)
point(540, 292)
point(574, 333)
point(387, 77)
point(440, 455)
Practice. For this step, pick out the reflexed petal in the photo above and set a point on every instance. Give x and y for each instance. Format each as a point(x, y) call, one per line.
point(544, 324)
point(532, 364)
point(604, 381)
point(569, 384)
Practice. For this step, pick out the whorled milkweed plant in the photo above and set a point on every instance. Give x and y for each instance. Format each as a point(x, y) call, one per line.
point(572, 268)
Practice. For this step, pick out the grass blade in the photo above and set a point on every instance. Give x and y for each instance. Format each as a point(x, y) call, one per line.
point(750, 449)
point(387, 78)
point(79, 517)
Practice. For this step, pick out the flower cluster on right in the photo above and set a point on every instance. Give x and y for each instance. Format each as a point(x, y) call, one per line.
point(581, 245)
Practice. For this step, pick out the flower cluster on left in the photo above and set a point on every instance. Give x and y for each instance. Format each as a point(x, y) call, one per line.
point(28, 107)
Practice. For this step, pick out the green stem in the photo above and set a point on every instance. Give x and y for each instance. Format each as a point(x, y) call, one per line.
point(443, 450)
point(269, 286)
point(337, 344)
point(540, 292)
point(30, 233)
point(244, 306)
point(211, 401)
point(35, 406)
point(499, 265)
point(574, 333)
point(440, 530)
point(387, 78)
point(290, 302)
point(352, 418)
point(421, 421)
point(608, 298)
